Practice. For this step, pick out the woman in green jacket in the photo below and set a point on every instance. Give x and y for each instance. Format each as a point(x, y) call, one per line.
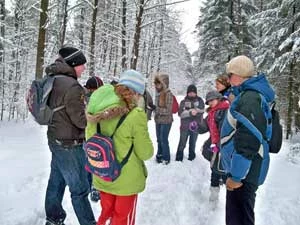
point(106, 106)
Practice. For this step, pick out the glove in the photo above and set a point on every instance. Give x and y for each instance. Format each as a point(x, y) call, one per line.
point(214, 148)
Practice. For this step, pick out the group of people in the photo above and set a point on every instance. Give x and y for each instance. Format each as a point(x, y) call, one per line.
point(237, 158)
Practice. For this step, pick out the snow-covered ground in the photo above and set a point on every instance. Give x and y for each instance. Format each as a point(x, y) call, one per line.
point(176, 194)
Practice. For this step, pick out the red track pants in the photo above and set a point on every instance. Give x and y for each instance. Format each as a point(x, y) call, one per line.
point(120, 210)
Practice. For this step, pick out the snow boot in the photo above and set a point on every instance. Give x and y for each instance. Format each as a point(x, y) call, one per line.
point(51, 222)
point(94, 195)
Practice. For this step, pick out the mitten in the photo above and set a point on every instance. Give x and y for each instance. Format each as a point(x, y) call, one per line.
point(214, 148)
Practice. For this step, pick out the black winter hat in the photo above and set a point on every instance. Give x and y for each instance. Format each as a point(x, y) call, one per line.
point(93, 83)
point(72, 56)
point(191, 88)
point(211, 95)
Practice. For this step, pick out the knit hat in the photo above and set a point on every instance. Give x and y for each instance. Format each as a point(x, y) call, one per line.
point(72, 56)
point(211, 95)
point(223, 79)
point(191, 88)
point(134, 80)
point(241, 66)
point(93, 82)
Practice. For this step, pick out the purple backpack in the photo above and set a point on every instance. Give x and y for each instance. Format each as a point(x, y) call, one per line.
point(101, 158)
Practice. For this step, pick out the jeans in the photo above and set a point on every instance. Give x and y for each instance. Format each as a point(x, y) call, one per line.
point(184, 134)
point(240, 205)
point(67, 168)
point(162, 135)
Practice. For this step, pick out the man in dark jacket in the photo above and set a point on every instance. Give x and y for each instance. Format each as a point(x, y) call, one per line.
point(191, 111)
point(245, 158)
point(65, 138)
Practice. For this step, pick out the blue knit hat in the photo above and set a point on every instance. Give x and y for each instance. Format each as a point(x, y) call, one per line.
point(133, 80)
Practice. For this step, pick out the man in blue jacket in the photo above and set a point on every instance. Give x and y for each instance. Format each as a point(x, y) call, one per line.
point(245, 157)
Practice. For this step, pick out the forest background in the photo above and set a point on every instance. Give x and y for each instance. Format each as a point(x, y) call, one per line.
point(146, 35)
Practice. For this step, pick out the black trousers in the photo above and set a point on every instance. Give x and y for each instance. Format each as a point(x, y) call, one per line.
point(240, 205)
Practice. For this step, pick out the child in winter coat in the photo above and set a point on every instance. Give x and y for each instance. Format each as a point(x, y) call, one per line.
point(216, 114)
point(91, 85)
point(106, 106)
point(191, 111)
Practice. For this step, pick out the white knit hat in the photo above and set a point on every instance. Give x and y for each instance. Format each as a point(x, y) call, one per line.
point(241, 66)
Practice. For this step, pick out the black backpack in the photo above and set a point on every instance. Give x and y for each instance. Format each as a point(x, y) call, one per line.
point(276, 139)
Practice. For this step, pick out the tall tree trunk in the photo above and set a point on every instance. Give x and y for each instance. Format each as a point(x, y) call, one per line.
point(137, 35)
point(124, 6)
point(92, 39)
point(290, 103)
point(296, 91)
point(161, 37)
point(239, 26)
point(41, 40)
point(81, 27)
point(296, 71)
point(64, 25)
point(2, 56)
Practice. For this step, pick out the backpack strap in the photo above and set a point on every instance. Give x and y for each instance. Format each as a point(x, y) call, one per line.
point(247, 123)
point(118, 125)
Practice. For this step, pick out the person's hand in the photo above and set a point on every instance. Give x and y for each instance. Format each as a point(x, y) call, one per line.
point(231, 184)
point(194, 112)
point(214, 148)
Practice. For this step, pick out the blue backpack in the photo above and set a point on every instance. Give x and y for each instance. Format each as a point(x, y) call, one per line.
point(101, 157)
point(37, 100)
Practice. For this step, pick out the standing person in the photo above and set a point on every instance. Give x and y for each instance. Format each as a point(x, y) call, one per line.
point(149, 106)
point(107, 105)
point(215, 116)
point(223, 85)
point(91, 85)
point(244, 157)
point(163, 117)
point(146, 103)
point(191, 111)
point(65, 138)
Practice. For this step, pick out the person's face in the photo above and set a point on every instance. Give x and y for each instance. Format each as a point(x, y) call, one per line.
point(136, 97)
point(220, 86)
point(213, 103)
point(192, 94)
point(158, 87)
point(79, 70)
point(235, 80)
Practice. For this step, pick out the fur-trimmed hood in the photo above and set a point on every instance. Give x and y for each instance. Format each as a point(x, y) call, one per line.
point(162, 78)
point(104, 104)
point(107, 114)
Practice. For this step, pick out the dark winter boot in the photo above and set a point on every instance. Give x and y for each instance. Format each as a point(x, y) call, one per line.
point(51, 222)
point(158, 158)
point(95, 195)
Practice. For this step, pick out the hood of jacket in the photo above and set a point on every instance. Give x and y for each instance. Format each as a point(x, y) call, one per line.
point(104, 104)
point(257, 83)
point(163, 79)
point(60, 67)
